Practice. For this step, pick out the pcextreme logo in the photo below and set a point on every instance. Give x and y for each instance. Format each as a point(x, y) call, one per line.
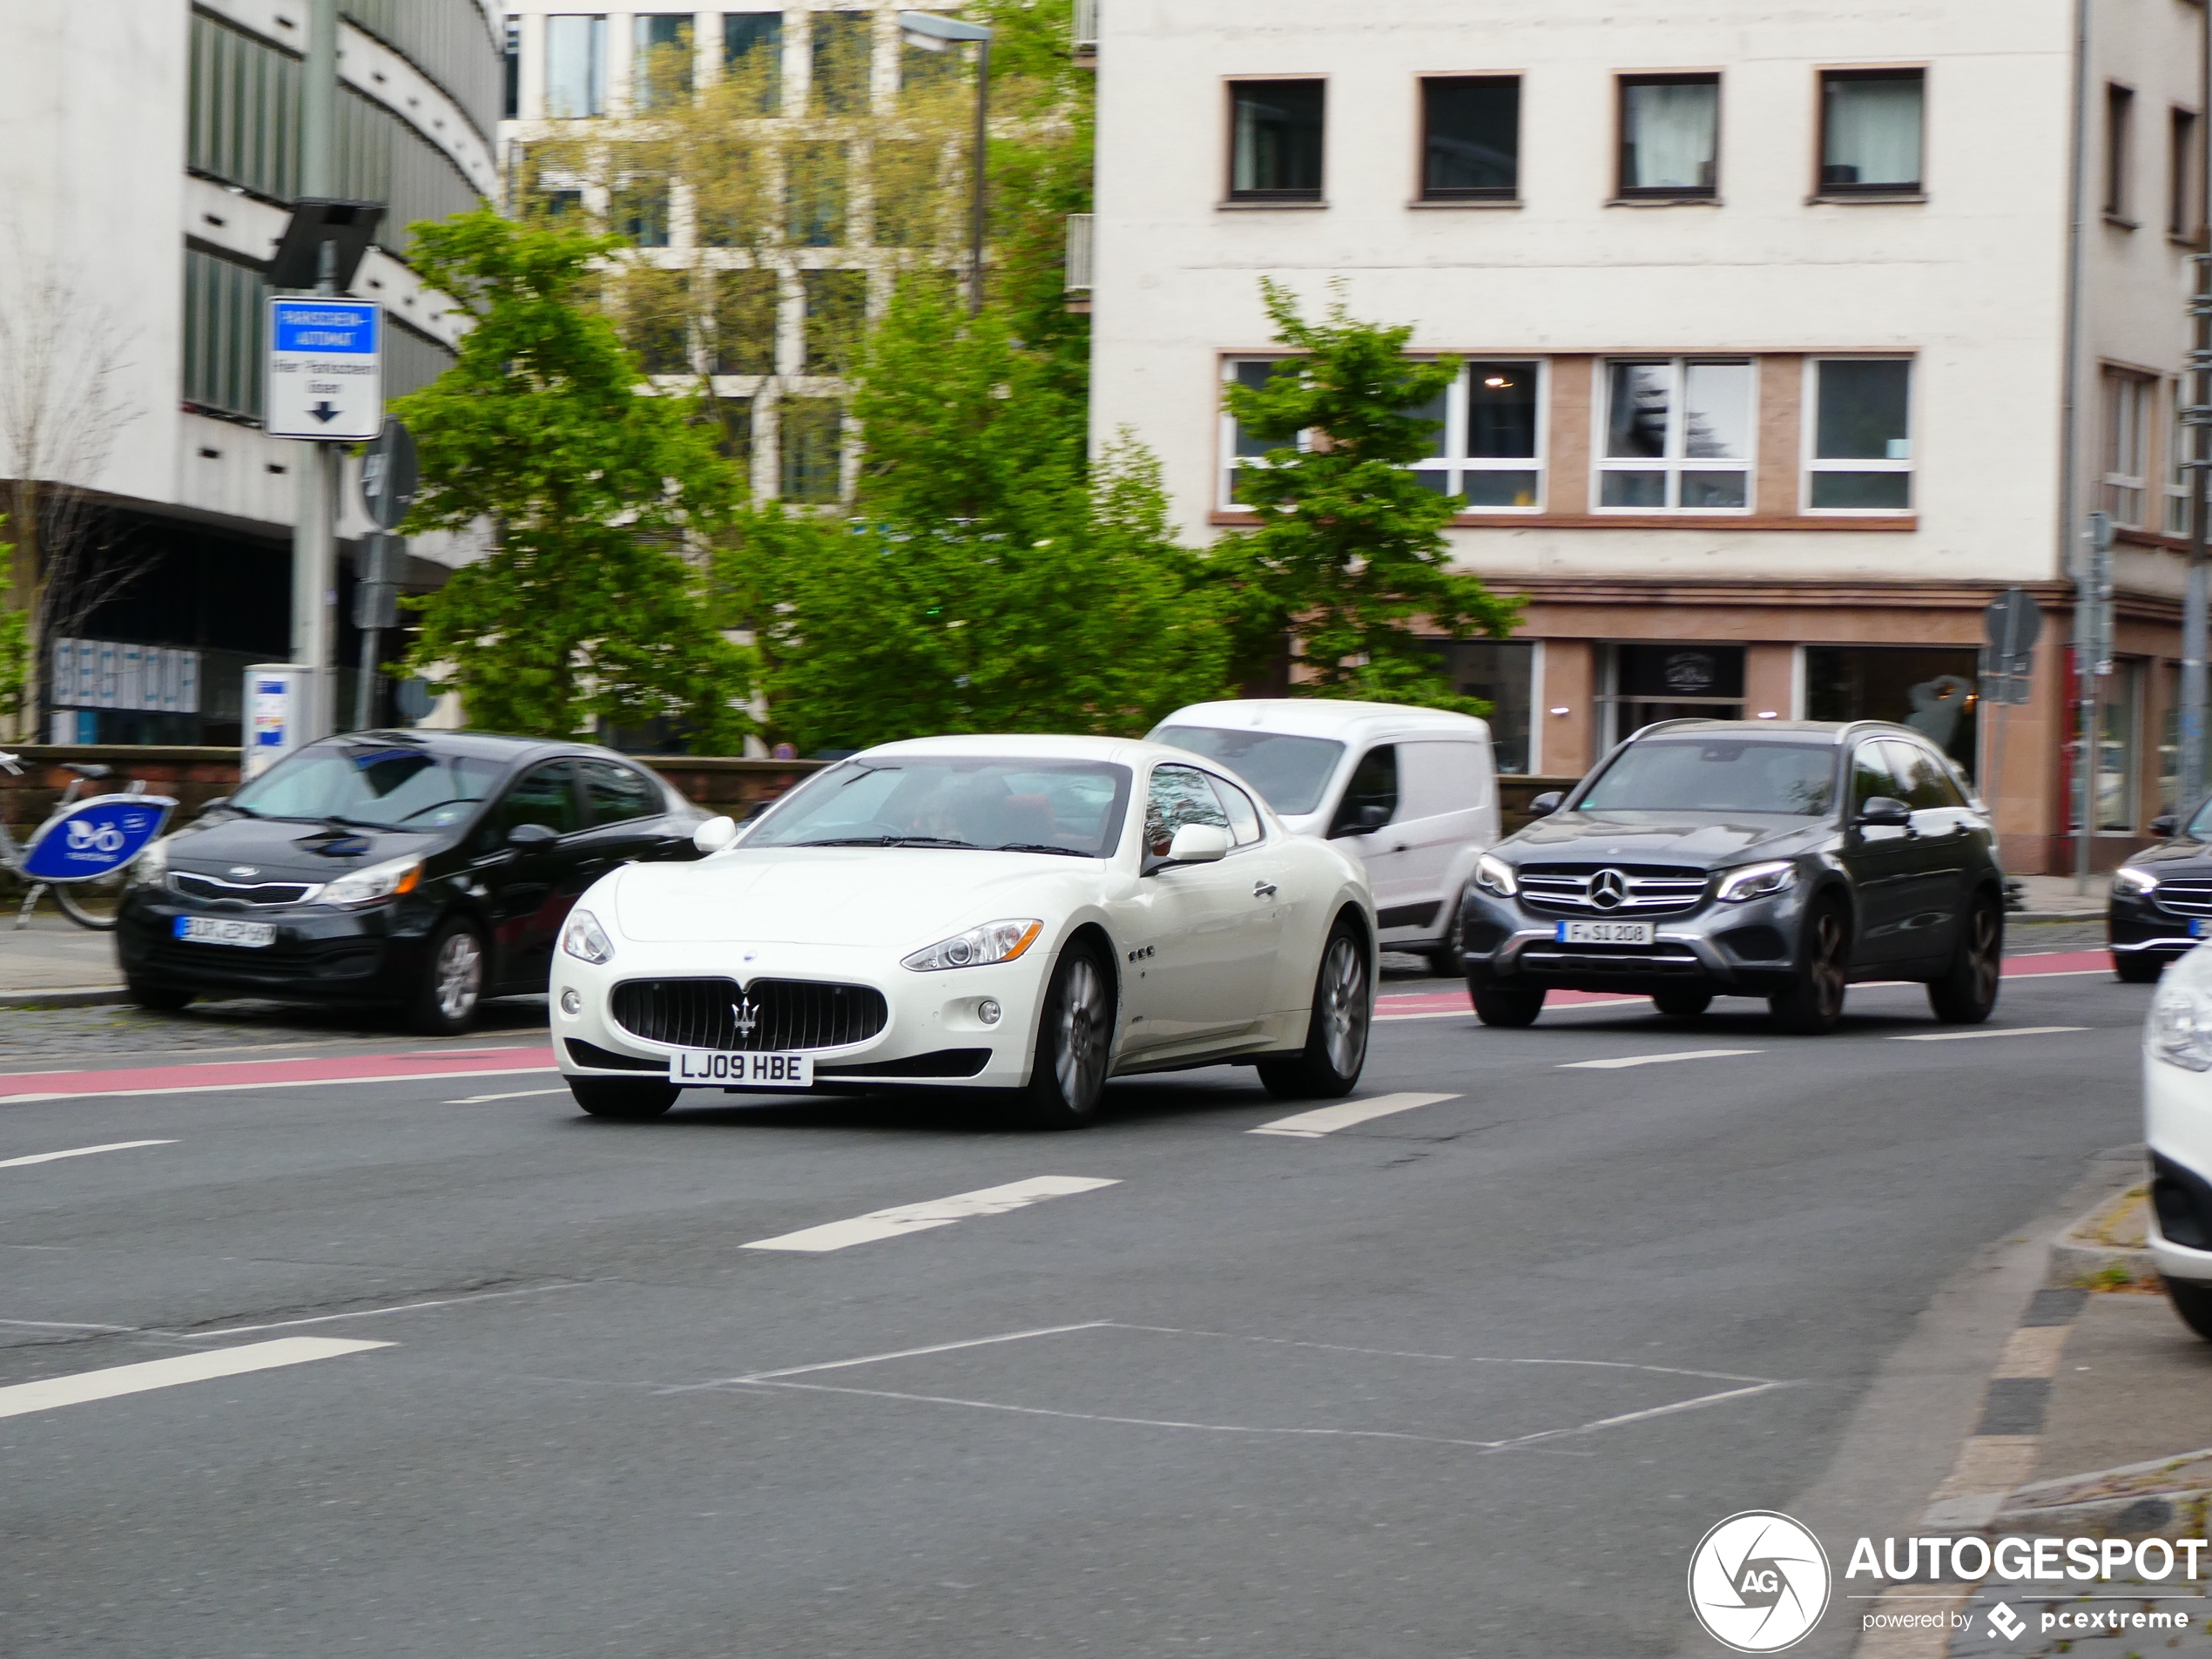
point(1759, 1581)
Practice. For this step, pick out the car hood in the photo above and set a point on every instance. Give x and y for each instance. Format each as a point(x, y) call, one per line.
point(899, 898)
point(2172, 858)
point(1696, 839)
point(282, 850)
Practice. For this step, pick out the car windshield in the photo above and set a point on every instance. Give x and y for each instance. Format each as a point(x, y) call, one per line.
point(380, 786)
point(1289, 771)
point(1073, 807)
point(1687, 775)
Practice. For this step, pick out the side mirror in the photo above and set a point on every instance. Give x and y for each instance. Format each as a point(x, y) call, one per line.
point(1198, 844)
point(1884, 812)
point(1546, 803)
point(221, 801)
point(527, 838)
point(715, 834)
point(2161, 828)
point(1366, 821)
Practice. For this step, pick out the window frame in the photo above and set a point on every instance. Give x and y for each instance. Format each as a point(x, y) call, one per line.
point(1233, 197)
point(1823, 191)
point(1623, 190)
point(1673, 463)
point(1225, 429)
point(596, 33)
point(2118, 154)
point(2130, 389)
point(2184, 156)
point(1809, 438)
point(2177, 485)
point(1476, 195)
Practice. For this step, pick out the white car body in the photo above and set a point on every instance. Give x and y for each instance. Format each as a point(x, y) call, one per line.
point(2178, 1115)
point(1214, 961)
point(1444, 817)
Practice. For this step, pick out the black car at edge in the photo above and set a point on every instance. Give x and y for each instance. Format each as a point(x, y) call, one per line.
point(2161, 897)
point(1721, 858)
point(415, 871)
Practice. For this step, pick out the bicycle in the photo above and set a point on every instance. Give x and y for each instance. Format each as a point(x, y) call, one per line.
point(84, 849)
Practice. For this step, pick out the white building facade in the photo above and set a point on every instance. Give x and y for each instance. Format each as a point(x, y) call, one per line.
point(1766, 320)
point(149, 155)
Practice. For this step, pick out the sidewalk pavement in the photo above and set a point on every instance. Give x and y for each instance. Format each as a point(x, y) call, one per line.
point(54, 960)
point(2053, 895)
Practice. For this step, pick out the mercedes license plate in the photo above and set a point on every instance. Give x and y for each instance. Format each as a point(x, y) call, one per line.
point(1604, 933)
point(711, 1068)
point(221, 930)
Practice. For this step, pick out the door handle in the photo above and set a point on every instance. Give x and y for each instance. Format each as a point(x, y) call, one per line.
point(1262, 889)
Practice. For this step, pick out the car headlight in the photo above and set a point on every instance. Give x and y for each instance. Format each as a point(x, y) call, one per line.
point(150, 867)
point(1757, 881)
point(2180, 1021)
point(1493, 875)
point(2129, 882)
point(584, 939)
point(379, 881)
point(994, 941)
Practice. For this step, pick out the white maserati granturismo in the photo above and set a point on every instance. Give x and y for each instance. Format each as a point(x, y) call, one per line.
point(1025, 914)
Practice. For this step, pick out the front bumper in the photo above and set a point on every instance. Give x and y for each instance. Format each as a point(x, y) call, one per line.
point(376, 954)
point(2136, 926)
point(933, 1034)
point(2177, 1127)
point(1746, 949)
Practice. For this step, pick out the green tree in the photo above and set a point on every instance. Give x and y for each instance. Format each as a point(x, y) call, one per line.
point(1348, 559)
point(15, 642)
point(586, 607)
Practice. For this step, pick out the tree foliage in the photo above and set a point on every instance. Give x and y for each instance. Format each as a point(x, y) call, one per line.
point(586, 607)
point(1348, 559)
point(15, 642)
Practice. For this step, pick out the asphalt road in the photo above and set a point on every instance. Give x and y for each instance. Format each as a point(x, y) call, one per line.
point(1469, 1378)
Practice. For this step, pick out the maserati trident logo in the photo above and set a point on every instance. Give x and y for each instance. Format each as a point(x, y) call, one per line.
point(746, 1015)
point(1609, 890)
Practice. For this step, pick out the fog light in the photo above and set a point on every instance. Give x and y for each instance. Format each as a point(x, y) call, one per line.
point(988, 1011)
point(571, 1004)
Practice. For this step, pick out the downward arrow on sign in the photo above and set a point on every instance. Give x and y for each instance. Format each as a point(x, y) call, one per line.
point(324, 413)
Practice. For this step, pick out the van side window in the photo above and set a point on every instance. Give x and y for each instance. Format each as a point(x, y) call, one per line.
point(1244, 817)
point(1374, 783)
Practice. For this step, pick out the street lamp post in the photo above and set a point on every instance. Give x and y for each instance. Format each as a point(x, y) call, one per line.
point(933, 33)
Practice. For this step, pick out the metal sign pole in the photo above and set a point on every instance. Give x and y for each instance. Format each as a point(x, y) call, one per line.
point(315, 537)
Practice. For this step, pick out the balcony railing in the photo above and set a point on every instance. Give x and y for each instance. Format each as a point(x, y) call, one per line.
point(1079, 252)
point(1086, 27)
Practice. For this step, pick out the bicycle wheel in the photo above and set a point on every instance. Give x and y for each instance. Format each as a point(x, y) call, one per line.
point(94, 904)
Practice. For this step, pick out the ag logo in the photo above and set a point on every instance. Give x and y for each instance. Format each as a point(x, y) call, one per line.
point(1759, 1581)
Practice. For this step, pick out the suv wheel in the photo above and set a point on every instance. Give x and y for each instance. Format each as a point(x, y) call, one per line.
point(1506, 1004)
point(1815, 1002)
point(2194, 1304)
point(1969, 989)
point(1446, 962)
point(1682, 1005)
point(2137, 967)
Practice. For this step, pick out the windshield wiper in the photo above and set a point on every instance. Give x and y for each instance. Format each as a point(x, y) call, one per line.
point(1039, 846)
point(890, 841)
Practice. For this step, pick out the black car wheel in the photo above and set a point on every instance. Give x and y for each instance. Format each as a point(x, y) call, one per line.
point(1815, 1002)
point(453, 982)
point(1336, 1031)
point(2194, 1304)
point(1969, 989)
point(1074, 1041)
point(157, 999)
point(1447, 960)
point(621, 1100)
point(1682, 1005)
point(2137, 967)
point(1507, 1004)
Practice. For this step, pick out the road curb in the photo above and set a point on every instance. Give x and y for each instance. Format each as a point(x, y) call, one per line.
point(2082, 1258)
point(66, 996)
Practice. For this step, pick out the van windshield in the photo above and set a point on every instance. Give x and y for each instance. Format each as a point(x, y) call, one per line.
point(1289, 771)
point(1704, 777)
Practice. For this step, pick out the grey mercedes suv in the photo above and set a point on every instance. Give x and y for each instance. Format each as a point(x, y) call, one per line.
point(1721, 858)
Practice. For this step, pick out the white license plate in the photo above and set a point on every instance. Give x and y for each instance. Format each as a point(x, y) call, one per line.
point(1604, 933)
point(710, 1067)
point(220, 930)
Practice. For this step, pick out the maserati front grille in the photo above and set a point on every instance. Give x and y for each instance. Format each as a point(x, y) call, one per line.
point(768, 1017)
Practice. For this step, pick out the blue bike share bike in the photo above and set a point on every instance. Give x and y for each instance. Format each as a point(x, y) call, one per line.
point(84, 849)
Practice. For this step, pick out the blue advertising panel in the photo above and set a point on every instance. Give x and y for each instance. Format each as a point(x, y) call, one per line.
point(94, 837)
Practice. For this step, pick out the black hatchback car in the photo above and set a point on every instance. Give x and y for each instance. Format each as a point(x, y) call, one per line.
point(418, 871)
point(1718, 858)
point(2161, 897)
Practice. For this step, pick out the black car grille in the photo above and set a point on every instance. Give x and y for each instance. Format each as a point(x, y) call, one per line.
point(2183, 898)
point(782, 1014)
point(213, 890)
point(1611, 889)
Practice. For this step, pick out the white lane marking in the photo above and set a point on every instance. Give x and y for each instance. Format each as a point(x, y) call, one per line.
point(1965, 1036)
point(167, 1374)
point(1326, 1120)
point(371, 1313)
point(512, 1094)
point(302, 1083)
point(1626, 1061)
point(62, 1325)
point(877, 1359)
point(78, 1152)
point(938, 1212)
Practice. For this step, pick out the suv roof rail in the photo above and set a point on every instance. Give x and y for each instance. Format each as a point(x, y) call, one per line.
point(1661, 725)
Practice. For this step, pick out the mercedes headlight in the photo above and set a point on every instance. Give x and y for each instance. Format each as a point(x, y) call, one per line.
point(2130, 882)
point(1757, 881)
point(585, 940)
point(379, 881)
point(2180, 1021)
point(994, 941)
point(1493, 875)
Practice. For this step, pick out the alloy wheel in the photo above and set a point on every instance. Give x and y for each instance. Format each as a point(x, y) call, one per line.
point(460, 970)
point(1344, 1005)
point(1079, 1046)
point(1826, 967)
point(1983, 953)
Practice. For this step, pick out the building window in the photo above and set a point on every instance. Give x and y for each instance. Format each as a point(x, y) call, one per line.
point(2183, 159)
point(1503, 673)
point(1932, 691)
point(1242, 449)
point(843, 56)
point(1869, 135)
point(1861, 458)
point(1275, 134)
point(1489, 446)
point(243, 126)
point(752, 56)
point(1470, 138)
point(736, 442)
point(1677, 436)
point(745, 303)
point(2180, 490)
point(1671, 131)
point(223, 354)
point(1648, 683)
point(511, 105)
point(639, 207)
point(656, 304)
point(2127, 445)
point(660, 73)
point(814, 194)
point(576, 67)
point(813, 449)
point(837, 315)
point(2120, 722)
point(2119, 120)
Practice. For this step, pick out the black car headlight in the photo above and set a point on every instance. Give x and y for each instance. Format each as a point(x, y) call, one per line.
point(1757, 881)
point(1494, 875)
point(2129, 882)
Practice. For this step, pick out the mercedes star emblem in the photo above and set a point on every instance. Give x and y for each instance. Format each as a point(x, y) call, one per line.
point(1609, 890)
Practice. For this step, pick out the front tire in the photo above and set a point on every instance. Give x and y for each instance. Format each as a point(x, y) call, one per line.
point(1814, 1003)
point(1328, 1068)
point(1505, 1004)
point(1967, 990)
point(1449, 959)
point(453, 983)
point(1682, 1005)
point(1074, 1041)
point(2137, 967)
point(620, 1099)
point(2192, 1303)
point(156, 999)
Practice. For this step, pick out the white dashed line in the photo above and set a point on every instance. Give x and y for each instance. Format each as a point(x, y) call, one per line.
point(78, 1152)
point(512, 1094)
point(168, 1373)
point(938, 1212)
point(2000, 1031)
point(1326, 1120)
point(1625, 1061)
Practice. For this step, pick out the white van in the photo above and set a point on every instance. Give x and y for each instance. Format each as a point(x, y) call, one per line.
point(1412, 793)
